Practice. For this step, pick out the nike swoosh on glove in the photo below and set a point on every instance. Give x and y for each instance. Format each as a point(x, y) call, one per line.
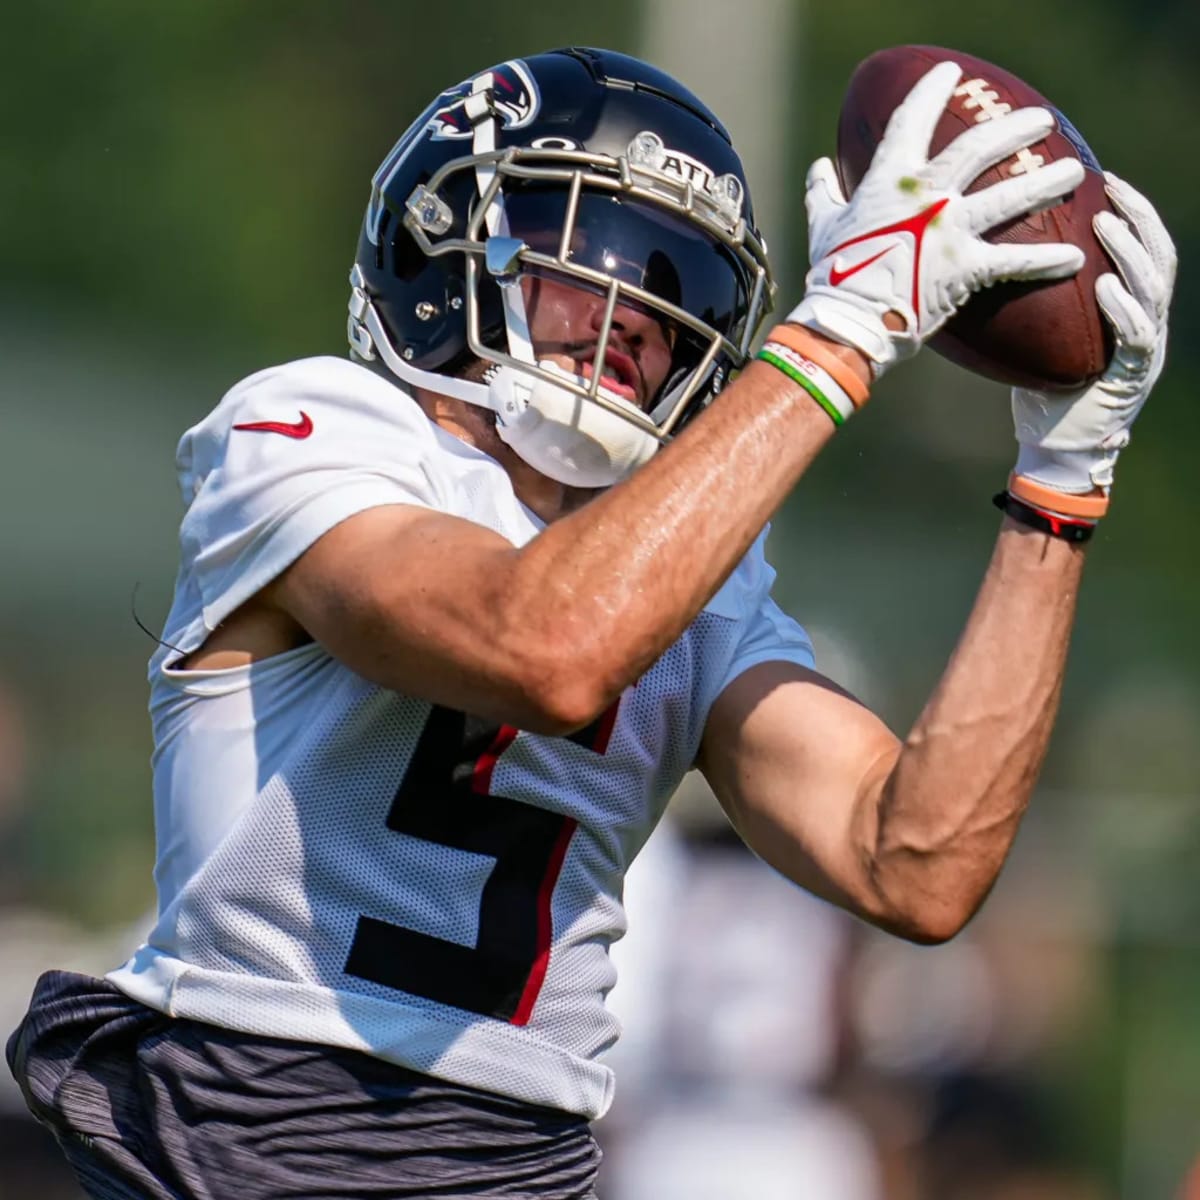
point(910, 241)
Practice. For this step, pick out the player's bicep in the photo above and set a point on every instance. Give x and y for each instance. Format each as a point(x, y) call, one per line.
point(408, 598)
point(799, 765)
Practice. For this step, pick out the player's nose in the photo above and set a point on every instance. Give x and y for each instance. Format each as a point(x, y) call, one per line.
point(634, 326)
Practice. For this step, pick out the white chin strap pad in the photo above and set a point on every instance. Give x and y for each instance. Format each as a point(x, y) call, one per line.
point(565, 436)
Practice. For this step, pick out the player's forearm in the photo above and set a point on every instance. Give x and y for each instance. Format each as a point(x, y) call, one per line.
point(619, 581)
point(949, 810)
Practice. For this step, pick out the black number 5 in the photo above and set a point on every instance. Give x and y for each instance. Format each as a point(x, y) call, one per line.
point(445, 798)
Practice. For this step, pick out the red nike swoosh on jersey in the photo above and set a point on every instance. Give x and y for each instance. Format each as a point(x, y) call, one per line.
point(296, 429)
point(915, 225)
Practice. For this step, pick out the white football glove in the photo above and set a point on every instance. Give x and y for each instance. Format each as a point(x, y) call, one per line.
point(1069, 442)
point(909, 241)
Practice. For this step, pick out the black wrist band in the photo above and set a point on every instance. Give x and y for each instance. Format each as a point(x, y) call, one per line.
point(1067, 528)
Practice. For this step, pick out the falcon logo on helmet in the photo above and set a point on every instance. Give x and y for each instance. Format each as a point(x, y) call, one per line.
point(515, 102)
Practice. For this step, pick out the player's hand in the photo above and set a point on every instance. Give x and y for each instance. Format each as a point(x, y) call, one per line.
point(909, 241)
point(1069, 443)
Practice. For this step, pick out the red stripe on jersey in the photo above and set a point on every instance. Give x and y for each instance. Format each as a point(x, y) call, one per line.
point(481, 773)
point(604, 727)
point(545, 933)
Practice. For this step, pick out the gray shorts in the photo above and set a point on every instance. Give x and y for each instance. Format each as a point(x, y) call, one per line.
point(147, 1107)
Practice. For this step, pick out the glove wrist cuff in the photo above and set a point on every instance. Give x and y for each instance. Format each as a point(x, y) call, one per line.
point(856, 326)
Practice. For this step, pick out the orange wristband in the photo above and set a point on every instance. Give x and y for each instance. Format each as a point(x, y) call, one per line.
point(810, 347)
point(1091, 506)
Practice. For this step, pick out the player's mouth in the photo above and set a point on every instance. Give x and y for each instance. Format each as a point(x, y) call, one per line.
point(620, 376)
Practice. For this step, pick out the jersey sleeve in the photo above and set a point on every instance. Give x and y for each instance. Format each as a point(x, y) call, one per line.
point(770, 636)
point(288, 454)
point(766, 633)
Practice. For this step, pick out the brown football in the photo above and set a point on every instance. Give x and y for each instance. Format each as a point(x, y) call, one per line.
point(1045, 335)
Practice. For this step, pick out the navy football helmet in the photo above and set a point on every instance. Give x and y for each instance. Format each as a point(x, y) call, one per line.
point(583, 165)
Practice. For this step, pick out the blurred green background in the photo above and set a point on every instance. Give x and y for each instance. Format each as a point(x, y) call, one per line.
point(180, 191)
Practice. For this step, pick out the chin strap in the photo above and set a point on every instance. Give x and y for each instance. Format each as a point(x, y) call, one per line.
point(556, 431)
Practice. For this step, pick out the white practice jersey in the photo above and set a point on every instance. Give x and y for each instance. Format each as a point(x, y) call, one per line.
point(343, 864)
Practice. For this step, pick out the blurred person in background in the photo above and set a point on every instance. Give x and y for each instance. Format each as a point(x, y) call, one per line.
point(942, 1050)
point(732, 1043)
point(455, 617)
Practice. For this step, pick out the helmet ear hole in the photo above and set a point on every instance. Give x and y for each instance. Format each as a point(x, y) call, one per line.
point(384, 221)
point(408, 261)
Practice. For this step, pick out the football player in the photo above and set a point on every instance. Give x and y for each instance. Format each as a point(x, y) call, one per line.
point(456, 614)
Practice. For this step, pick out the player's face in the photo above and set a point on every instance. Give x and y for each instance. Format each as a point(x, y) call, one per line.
point(564, 326)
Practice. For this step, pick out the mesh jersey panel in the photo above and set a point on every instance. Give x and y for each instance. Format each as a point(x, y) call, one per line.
point(343, 864)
